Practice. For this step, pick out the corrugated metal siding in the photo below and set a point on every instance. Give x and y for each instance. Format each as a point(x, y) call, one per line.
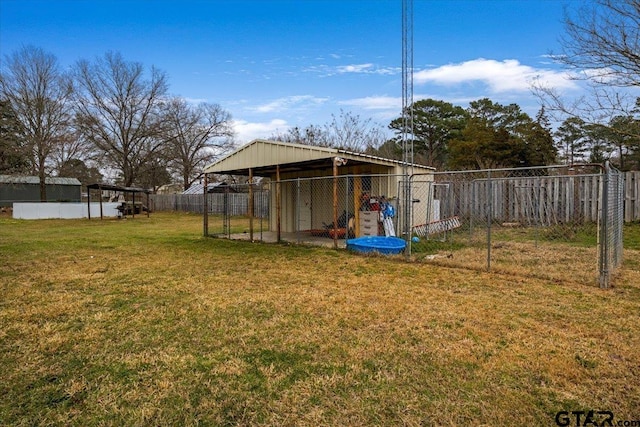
point(21, 192)
point(266, 153)
point(260, 153)
point(12, 179)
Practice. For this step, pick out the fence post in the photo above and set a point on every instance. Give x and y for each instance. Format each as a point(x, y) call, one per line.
point(346, 204)
point(298, 210)
point(335, 202)
point(489, 218)
point(604, 244)
point(205, 217)
point(250, 204)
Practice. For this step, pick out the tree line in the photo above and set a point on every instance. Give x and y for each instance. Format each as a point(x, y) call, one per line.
point(599, 49)
point(113, 115)
point(103, 115)
point(486, 135)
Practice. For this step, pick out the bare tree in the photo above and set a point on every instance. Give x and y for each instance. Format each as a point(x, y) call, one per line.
point(310, 135)
point(38, 93)
point(603, 40)
point(347, 131)
point(601, 47)
point(196, 136)
point(118, 111)
point(350, 132)
point(70, 147)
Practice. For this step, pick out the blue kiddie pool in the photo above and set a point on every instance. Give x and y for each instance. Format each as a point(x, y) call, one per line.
point(380, 244)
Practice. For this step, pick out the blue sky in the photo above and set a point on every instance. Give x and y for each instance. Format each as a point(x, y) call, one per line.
point(280, 63)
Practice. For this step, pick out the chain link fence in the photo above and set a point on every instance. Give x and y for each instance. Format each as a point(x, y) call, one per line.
point(238, 211)
point(556, 223)
point(322, 210)
point(611, 224)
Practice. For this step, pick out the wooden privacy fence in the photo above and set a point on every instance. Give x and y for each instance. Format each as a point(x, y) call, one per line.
point(546, 200)
point(534, 200)
point(540, 200)
point(219, 203)
point(632, 196)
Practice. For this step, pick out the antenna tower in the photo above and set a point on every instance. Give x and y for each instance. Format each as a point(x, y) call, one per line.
point(407, 111)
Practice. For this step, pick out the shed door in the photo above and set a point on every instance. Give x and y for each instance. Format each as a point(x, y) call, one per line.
point(304, 205)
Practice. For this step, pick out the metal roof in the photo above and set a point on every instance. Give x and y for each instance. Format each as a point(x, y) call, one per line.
point(198, 187)
point(264, 156)
point(111, 187)
point(50, 180)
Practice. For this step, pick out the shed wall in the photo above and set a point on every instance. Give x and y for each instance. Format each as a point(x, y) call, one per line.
point(19, 192)
point(309, 200)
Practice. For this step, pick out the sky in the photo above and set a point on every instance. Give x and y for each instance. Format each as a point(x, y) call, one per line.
point(274, 64)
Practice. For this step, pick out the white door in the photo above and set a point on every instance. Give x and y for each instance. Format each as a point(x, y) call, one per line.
point(304, 206)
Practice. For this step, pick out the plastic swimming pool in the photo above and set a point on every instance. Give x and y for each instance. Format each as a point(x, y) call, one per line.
point(380, 244)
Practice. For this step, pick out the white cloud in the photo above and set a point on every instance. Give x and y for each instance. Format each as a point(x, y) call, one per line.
point(298, 101)
point(499, 76)
point(195, 100)
point(374, 103)
point(368, 68)
point(354, 68)
point(248, 131)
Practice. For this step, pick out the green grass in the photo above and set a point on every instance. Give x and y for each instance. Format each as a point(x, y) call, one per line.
point(560, 253)
point(146, 322)
point(631, 236)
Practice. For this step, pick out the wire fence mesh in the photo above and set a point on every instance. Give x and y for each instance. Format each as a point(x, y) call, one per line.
point(557, 223)
point(611, 224)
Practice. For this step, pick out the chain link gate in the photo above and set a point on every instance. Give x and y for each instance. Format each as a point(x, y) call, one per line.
point(239, 209)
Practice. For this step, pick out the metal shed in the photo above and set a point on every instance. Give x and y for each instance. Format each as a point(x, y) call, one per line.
point(27, 189)
point(280, 162)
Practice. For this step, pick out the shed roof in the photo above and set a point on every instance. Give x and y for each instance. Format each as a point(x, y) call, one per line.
point(50, 180)
point(198, 187)
point(264, 156)
point(111, 187)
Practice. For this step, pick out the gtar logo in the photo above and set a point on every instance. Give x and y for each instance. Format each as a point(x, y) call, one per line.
point(584, 418)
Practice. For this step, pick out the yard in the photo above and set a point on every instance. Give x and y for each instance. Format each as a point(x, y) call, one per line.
point(145, 322)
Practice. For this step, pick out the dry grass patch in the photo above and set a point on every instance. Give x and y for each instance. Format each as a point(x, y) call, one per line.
point(542, 260)
point(144, 322)
point(546, 254)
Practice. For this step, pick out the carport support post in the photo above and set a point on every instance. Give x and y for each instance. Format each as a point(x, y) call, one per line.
point(278, 207)
point(100, 196)
point(335, 203)
point(205, 216)
point(88, 203)
point(251, 204)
